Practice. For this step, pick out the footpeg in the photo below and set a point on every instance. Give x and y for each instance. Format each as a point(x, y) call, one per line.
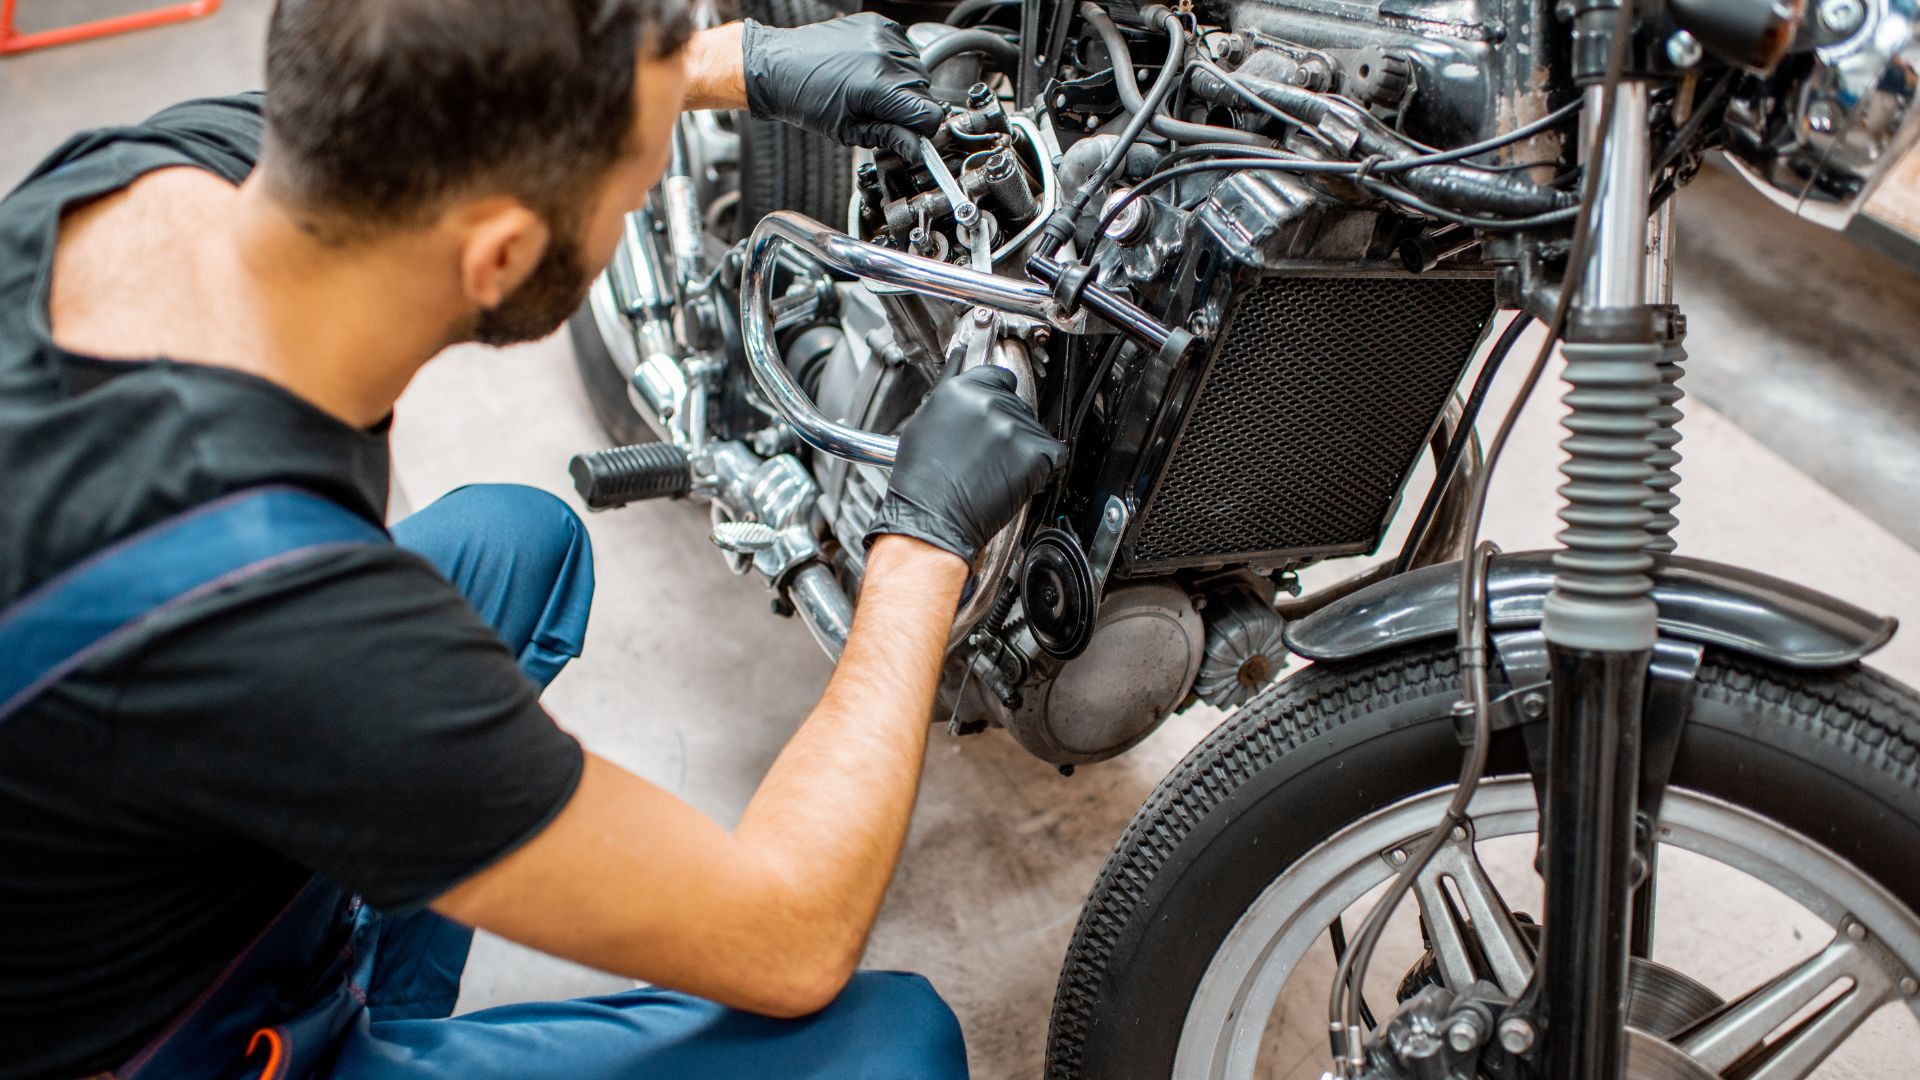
point(624, 474)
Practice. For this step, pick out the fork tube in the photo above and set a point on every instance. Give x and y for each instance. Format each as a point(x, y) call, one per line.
point(1600, 623)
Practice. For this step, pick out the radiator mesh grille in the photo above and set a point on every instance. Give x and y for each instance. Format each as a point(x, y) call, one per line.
point(1317, 403)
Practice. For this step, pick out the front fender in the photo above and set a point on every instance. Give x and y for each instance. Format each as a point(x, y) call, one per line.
point(1712, 604)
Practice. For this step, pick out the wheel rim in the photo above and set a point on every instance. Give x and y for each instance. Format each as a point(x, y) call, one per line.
point(1229, 1014)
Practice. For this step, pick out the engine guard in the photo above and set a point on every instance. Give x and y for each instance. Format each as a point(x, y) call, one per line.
point(1707, 603)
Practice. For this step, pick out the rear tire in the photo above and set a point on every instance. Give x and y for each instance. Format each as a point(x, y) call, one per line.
point(781, 166)
point(1831, 755)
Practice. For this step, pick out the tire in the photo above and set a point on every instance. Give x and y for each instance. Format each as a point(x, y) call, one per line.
point(1831, 755)
point(781, 166)
point(606, 387)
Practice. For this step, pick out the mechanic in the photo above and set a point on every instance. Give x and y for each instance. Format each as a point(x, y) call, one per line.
point(263, 764)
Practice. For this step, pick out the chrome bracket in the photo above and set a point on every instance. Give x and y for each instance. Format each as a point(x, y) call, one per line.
point(1106, 541)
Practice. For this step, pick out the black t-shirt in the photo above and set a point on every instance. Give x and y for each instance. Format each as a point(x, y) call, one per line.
point(349, 716)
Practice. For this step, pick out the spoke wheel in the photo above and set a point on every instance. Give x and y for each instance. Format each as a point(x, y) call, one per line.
point(1789, 875)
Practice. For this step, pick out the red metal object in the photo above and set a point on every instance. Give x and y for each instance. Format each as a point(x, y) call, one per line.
point(13, 41)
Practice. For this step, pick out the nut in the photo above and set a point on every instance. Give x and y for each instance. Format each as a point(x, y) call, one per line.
point(1516, 1035)
point(1841, 16)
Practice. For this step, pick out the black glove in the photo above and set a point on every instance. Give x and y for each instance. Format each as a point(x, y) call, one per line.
point(856, 79)
point(969, 460)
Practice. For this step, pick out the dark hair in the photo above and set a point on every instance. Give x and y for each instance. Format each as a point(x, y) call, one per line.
point(379, 110)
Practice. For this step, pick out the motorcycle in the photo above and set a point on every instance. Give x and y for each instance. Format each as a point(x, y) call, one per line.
point(1254, 261)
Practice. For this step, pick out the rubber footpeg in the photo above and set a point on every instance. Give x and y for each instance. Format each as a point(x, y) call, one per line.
point(624, 474)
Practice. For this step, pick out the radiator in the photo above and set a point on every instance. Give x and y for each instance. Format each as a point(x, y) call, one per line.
point(1314, 408)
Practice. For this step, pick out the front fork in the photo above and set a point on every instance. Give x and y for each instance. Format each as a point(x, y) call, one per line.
point(1599, 621)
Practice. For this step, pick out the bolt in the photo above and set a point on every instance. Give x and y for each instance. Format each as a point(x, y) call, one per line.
point(918, 237)
point(1039, 335)
point(1534, 706)
point(1398, 857)
point(1855, 930)
point(1465, 1033)
point(1059, 101)
point(1516, 1035)
point(1683, 49)
point(1459, 832)
point(979, 96)
point(966, 213)
point(1113, 514)
point(1841, 16)
point(1821, 116)
point(1909, 987)
point(982, 316)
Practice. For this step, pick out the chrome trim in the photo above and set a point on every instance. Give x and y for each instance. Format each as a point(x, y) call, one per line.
point(843, 254)
point(1849, 122)
point(1617, 270)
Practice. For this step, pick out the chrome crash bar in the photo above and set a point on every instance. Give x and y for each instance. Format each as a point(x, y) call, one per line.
point(842, 254)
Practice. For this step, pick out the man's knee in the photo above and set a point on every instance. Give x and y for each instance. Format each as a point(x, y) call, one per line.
point(900, 1023)
point(523, 560)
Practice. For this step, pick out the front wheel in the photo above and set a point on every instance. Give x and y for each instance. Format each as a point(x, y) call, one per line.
point(1794, 802)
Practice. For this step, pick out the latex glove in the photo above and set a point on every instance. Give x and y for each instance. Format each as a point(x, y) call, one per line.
point(969, 460)
point(856, 79)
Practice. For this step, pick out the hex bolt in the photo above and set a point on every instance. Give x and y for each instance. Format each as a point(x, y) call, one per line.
point(1516, 1035)
point(982, 316)
point(979, 96)
point(1466, 1032)
point(1841, 16)
point(1822, 116)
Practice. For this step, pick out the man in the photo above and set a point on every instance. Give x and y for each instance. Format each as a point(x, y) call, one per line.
point(246, 823)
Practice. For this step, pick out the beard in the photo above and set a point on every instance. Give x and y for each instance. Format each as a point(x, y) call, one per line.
point(555, 288)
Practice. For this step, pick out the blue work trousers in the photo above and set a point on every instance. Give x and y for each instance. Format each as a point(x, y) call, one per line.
point(522, 559)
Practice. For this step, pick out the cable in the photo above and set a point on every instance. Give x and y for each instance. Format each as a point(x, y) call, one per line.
point(1343, 1006)
point(1273, 163)
point(1238, 87)
point(1462, 435)
point(965, 10)
point(1129, 89)
point(1061, 225)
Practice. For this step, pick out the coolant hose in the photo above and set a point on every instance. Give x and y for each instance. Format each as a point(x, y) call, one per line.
point(1129, 88)
point(970, 40)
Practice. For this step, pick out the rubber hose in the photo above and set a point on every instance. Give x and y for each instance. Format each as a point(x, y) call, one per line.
point(972, 40)
point(1129, 90)
point(963, 12)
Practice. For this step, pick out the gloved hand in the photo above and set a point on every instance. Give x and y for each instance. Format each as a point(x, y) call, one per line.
point(969, 460)
point(856, 79)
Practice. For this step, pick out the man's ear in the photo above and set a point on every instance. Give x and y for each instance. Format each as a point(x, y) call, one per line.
point(501, 242)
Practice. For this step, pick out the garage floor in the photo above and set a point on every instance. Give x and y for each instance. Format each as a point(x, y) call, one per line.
point(1802, 459)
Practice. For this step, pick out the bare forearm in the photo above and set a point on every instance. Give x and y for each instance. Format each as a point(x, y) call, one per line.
point(715, 77)
point(832, 813)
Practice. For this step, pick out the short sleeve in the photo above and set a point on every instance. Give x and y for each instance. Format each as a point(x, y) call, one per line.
point(355, 716)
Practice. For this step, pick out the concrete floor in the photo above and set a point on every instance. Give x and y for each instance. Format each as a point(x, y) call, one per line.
point(1801, 461)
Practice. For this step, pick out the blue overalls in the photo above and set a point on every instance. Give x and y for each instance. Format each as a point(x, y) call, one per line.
point(332, 988)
